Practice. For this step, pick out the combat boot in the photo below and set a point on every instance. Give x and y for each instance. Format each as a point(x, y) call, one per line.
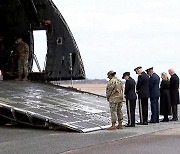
point(25, 79)
point(120, 126)
point(113, 127)
point(18, 79)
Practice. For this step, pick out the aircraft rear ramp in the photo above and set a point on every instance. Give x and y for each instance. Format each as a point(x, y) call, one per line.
point(46, 105)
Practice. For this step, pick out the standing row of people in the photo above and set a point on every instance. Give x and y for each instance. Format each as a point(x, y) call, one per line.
point(148, 86)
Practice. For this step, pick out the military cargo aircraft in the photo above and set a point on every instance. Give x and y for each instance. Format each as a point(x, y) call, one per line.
point(43, 104)
point(19, 18)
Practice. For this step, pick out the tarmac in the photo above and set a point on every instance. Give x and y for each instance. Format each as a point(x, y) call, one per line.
point(160, 138)
point(162, 142)
point(22, 140)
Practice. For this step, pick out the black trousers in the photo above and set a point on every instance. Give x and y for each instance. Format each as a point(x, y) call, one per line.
point(131, 105)
point(143, 110)
point(175, 112)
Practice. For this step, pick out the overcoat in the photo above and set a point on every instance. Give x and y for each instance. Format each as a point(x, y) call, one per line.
point(129, 92)
point(142, 86)
point(174, 89)
point(165, 98)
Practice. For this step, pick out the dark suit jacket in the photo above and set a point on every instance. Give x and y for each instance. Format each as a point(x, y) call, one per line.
point(154, 85)
point(142, 86)
point(130, 89)
point(174, 89)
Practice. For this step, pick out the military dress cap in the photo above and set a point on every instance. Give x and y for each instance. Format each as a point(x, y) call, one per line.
point(139, 67)
point(151, 68)
point(111, 73)
point(126, 74)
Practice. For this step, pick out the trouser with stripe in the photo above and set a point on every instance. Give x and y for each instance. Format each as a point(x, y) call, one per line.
point(131, 105)
point(143, 110)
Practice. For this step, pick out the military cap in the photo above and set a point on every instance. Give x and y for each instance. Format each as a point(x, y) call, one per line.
point(125, 74)
point(18, 39)
point(151, 68)
point(111, 73)
point(139, 67)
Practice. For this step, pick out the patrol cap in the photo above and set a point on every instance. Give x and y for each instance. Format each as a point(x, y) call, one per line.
point(125, 74)
point(111, 73)
point(139, 67)
point(18, 39)
point(151, 68)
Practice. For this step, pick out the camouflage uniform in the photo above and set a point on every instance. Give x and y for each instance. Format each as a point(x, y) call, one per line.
point(23, 55)
point(114, 94)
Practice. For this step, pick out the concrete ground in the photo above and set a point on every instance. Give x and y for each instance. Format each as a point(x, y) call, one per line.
point(141, 139)
point(162, 142)
point(150, 139)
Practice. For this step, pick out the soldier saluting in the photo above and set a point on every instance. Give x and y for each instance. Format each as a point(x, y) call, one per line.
point(22, 50)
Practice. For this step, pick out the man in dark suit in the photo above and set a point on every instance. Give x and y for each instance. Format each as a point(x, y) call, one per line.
point(142, 88)
point(154, 94)
point(174, 92)
point(131, 97)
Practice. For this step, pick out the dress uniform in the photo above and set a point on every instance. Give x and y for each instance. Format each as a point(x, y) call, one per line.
point(142, 88)
point(131, 97)
point(154, 92)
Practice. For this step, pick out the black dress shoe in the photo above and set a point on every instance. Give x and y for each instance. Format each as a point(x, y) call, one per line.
point(139, 123)
point(165, 120)
point(174, 119)
point(151, 122)
point(145, 123)
point(129, 125)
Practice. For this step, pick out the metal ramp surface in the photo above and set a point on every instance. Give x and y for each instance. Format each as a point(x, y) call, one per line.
point(46, 105)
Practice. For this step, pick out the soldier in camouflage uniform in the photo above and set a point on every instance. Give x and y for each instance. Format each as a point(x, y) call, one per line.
point(114, 94)
point(22, 51)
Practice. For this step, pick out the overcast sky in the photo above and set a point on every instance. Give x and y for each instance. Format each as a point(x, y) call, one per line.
point(123, 34)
